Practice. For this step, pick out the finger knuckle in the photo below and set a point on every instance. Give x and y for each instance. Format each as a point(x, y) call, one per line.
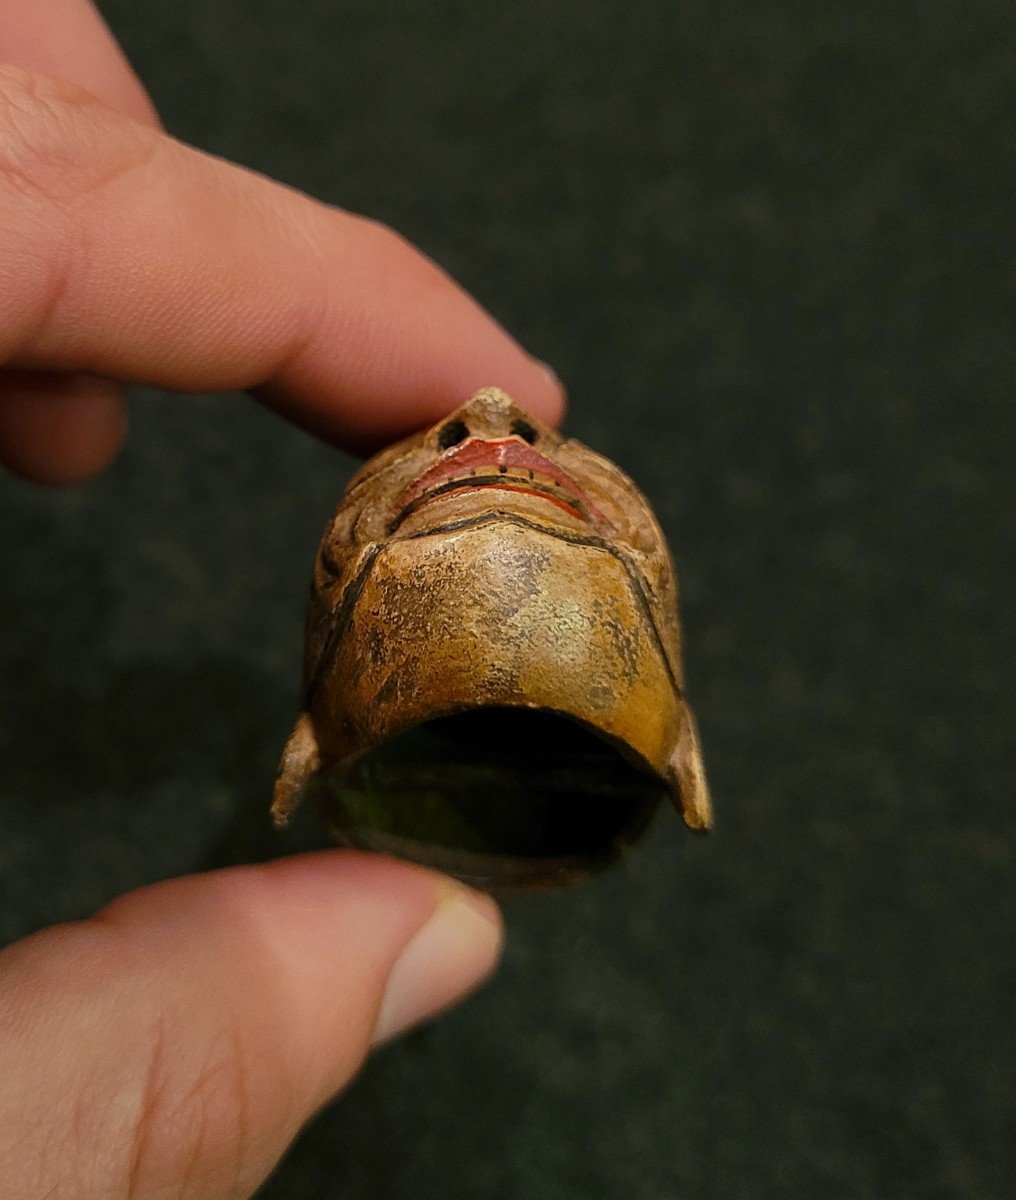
point(195, 1126)
point(34, 135)
point(57, 142)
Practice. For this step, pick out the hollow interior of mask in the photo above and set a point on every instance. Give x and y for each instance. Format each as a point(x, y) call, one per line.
point(494, 796)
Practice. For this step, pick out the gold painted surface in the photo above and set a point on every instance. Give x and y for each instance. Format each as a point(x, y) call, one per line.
point(497, 614)
point(489, 562)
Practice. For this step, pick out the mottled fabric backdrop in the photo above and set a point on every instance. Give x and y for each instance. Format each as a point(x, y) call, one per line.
point(769, 247)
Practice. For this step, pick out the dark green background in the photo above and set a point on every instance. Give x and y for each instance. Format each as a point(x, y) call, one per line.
point(769, 247)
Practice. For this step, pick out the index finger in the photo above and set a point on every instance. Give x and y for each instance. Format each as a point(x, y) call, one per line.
point(125, 254)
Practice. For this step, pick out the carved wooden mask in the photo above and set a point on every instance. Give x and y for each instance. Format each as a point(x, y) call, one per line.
point(493, 679)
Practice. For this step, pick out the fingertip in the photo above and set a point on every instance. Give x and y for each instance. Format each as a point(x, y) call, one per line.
point(354, 948)
point(405, 941)
point(59, 429)
point(401, 347)
point(451, 955)
point(297, 967)
point(191, 1028)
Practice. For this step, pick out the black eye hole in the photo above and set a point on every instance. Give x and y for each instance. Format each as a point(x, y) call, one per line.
point(525, 431)
point(451, 434)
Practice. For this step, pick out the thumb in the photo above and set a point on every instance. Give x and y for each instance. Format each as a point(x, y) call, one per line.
point(175, 1043)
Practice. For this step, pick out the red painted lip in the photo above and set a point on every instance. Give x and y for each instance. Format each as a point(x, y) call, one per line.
point(508, 464)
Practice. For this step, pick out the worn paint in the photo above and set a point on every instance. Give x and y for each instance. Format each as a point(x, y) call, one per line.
point(490, 562)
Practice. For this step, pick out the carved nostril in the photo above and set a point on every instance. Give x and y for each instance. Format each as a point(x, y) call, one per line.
point(451, 434)
point(525, 431)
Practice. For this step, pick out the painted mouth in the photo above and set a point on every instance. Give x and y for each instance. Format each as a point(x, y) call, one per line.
point(505, 464)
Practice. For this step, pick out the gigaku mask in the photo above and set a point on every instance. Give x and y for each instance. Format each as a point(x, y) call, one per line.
point(493, 681)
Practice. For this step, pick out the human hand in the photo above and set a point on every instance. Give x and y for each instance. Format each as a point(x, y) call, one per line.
point(176, 1042)
point(125, 255)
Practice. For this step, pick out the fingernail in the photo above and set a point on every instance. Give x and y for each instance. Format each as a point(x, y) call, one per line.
point(451, 954)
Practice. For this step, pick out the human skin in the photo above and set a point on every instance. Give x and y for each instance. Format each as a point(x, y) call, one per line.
point(175, 1043)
